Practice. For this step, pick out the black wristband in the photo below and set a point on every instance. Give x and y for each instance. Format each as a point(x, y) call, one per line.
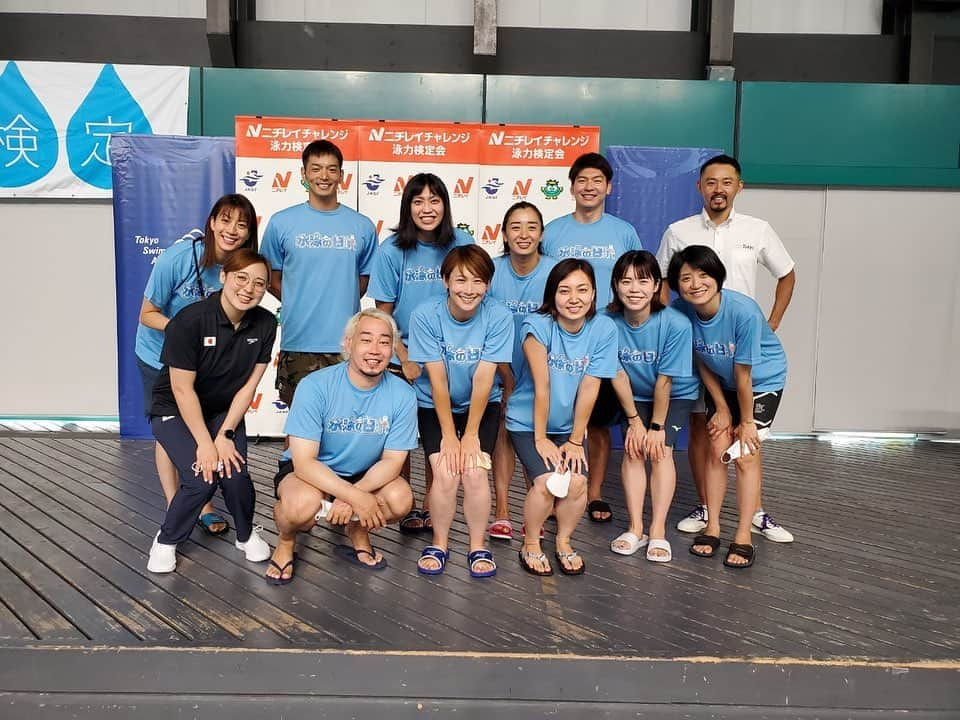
point(633, 417)
point(574, 443)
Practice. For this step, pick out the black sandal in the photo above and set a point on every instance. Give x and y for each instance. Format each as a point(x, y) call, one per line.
point(599, 506)
point(712, 540)
point(744, 551)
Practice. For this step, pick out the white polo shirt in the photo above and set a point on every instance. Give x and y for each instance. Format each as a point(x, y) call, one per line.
point(742, 242)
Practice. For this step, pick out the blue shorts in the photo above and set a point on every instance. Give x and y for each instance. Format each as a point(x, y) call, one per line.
point(678, 415)
point(148, 375)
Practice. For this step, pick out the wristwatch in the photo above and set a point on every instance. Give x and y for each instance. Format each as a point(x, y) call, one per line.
point(229, 434)
point(656, 426)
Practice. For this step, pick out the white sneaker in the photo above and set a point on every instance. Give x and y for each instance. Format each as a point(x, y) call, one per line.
point(163, 558)
point(255, 548)
point(764, 524)
point(695, 521)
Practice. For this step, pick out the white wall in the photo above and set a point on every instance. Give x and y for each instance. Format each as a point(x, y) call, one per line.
point(143, 8)
point(59, 317)
point(846, 17)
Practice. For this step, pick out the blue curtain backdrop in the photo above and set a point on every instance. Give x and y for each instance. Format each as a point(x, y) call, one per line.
point(163, 189)
point(653, 187)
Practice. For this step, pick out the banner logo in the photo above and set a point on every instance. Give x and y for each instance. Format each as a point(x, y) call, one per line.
point(491, 233)
point(251, 179)
point(462, 188)
point(373, 182)
point(281, 181)
point(492, 187)
point(522, 189)
point(552, 190)
point(465, 228)
point(345, 182)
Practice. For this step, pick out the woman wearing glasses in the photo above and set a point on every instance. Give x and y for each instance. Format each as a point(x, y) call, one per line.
point(214, 354)
point(185, 273)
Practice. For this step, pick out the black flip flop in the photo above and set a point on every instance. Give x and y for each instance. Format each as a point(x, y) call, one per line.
point(745, 551)
point(712, 540)
point(529, 568)
point(281, 580)
point(345, 552)
point(599, 506)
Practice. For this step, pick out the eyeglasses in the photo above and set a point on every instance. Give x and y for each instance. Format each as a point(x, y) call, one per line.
point(242, 279)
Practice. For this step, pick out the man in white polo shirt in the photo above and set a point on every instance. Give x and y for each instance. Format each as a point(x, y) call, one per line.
point(742, 242)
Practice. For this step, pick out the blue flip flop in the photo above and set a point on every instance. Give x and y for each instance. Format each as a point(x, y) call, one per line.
point(477, 556)
point(208, 519)
point(345, 552)
point(438, 554)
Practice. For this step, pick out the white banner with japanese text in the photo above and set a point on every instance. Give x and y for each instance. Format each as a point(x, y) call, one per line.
point(56, 121)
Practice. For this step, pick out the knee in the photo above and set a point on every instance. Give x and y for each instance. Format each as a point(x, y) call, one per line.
point(298, 502)
point(748, 462)
point(475, 480)
point(444, 481)
point(578, 485)
point(398, 496)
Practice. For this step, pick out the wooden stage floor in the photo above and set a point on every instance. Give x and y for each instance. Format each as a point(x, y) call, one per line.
point(873, 577)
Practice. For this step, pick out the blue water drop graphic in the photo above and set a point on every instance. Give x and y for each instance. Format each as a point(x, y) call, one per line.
point(108, 109)
point(28, 138)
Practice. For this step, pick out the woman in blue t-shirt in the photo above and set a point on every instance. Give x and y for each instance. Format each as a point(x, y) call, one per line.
point(568, 349)
point(406, 272)
point(518, 282)
point(744, 369)
point(460, 340)
point(184, 273)
point(656, 388)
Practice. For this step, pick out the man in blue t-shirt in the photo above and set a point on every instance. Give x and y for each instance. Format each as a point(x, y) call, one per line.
point(321, 253)
point(350, 431)
point(590, 233)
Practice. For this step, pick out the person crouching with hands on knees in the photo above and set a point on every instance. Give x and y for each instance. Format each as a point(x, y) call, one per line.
point(214, 354)
point(350, 427)
point(568, 348)
point(743, 369)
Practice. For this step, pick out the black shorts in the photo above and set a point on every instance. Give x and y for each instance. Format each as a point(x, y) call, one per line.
point(678, 415)
point(765, 406)
point(430, 433)
point(607, 410)
point(525, 446)
point(286, 467)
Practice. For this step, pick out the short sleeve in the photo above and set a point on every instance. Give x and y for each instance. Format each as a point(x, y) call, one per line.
point(162, 281)
point(633, 238)
point(368, 248)
point(305, 418)
point(182, 343)
point(403, 429)
point(271, 246)
point(385, 274)
point(665, 251)
point(537, 325)
point(773, 255)
point(747, 335)
point(604, 360)
point(676, 356)
point(498, 345)
point(423, 343)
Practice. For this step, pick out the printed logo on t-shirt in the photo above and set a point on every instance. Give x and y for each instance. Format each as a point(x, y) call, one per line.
point(632, 357)
point(421, 274)
point(461, 355)
point(717, 348)
point(251, 341)
point(324, 241)
point(520, 307)
point(210, 341)
point(361, 424)
point(589, 252)
point(561, 363)
point(190, 291)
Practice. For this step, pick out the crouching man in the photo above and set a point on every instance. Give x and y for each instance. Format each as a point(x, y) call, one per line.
point(350, 427)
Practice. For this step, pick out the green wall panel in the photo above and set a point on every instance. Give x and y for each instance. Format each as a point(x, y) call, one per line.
point(850, 134)
point(656, 113)
point(194, 101)
point(348, 95)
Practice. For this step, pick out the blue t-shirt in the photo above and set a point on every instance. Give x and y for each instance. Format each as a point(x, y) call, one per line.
point(321, 254)
point(435, 335)
point(353, 426)
point(172, 286)
point(592, 351)
point(663, 345)
point(738, 333)
point(601, 242)
point(407, 278)
point(522, 295)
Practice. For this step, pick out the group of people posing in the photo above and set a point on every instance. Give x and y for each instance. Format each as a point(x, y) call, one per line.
point(533, 355)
